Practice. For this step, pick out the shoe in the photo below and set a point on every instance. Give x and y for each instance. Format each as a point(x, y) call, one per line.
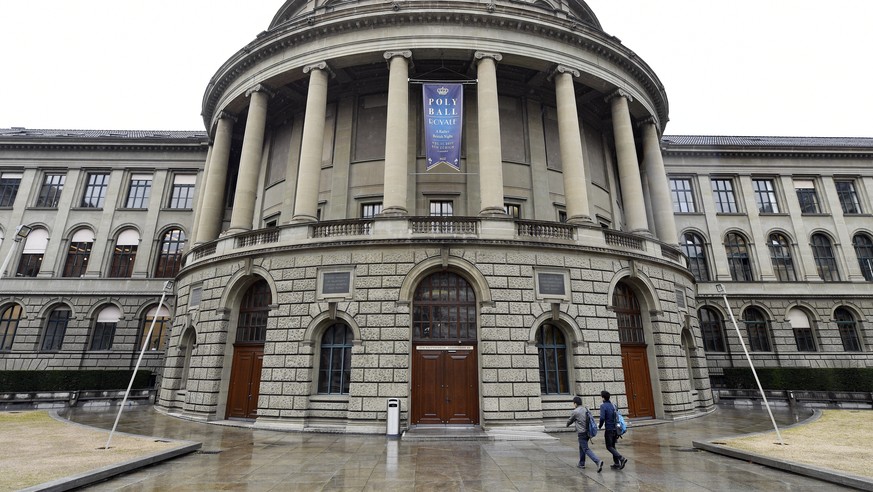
point(622, 463)
point(600, 466)
point(614, 467)
point(580, 465)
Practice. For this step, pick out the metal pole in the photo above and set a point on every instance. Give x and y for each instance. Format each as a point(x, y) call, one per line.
point(720, 288)
point(167, 287)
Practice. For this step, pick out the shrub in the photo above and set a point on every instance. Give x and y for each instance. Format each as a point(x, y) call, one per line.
point(802, 378)
point(63, 380)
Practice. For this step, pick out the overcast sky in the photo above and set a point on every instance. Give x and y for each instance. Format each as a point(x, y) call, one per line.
point(744, 67)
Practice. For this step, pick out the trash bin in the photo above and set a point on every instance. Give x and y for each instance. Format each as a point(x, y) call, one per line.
point(393, 421)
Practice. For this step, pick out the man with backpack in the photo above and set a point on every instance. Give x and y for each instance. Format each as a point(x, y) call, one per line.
point(609, 418)
point(585, 430)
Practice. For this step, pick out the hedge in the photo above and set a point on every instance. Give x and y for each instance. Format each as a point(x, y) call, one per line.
point(802, 378)
point(27, 381)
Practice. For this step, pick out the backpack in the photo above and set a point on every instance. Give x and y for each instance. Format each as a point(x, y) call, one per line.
point(592, 426)
point(620, 423)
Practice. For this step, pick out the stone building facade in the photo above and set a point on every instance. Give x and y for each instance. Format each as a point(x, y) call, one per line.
point(328, 268)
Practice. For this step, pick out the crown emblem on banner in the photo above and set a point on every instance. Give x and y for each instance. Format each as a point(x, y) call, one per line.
point(443, 91)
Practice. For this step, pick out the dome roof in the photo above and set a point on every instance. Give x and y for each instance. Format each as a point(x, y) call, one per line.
point(576, 10)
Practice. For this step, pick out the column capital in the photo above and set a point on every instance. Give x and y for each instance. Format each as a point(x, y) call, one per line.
point(227, 116)
point(480, 55)
point(619, 93)
point(261, 88)
point(319, 66)
point(388, 55)
point(647, 120)
point(561, 69)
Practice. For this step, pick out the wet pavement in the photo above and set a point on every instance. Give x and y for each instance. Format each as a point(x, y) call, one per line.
point(661, 458)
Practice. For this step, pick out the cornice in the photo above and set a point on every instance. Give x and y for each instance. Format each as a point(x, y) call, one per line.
point(200, 146)
point(366, 17)
point(759, 153)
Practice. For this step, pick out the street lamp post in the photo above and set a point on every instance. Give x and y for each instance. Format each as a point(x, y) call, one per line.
point(720, 289)
point(168, 287)
point(21, 232)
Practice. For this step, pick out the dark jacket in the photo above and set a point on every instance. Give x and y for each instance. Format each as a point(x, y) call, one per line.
point(607, 416)
point(579, 417)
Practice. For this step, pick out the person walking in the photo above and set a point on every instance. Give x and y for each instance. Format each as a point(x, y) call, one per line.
point(608, 417)
point(580, 416)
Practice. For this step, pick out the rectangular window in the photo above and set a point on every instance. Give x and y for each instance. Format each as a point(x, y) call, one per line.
point(683, 195)
point(723, 193)
point(765, 196)
point(370, 210)
point(139, 191)
point(513, 210)
point(848, 197)
point(804, 340)
point(807, 196)
point(50, 191)
point(103, 334)
point(9, 183)
point(182, 195)
point(441, 208)
point(95, 190)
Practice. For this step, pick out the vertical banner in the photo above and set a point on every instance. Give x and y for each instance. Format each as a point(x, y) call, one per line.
point(443, 118)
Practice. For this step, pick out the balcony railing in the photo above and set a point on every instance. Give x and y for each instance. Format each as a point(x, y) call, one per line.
point(624, 240)
point(444, 225)
point(343, 228)
point(365, 229)
point(544, 230)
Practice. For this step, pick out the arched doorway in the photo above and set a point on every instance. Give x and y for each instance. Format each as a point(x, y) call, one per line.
point(634, 359)
point(445, 387)
point(248, 352)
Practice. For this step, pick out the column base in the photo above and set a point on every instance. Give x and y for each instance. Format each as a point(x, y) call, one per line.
point(580, 219)
point(301, 219)
point(235, 230)
point(495, 212)
point(394, 212)
point(644, 233)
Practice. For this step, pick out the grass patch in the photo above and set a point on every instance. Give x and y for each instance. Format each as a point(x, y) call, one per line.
point(37, 448)
point(839, 440)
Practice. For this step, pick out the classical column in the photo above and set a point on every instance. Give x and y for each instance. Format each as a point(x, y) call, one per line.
point(572, 162)
point(628, 166)
point(397, 134)
point(211, 210)
point(665, 222)
point(312, 148)
point(201, 185)
point(490, 156)
point(242, 217)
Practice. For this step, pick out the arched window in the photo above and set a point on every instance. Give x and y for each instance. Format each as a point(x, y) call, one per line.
point(335, 364)
point(712, 329)
point(803, 335)
point(780, 255)
point(864, 251)
point(253, 312)
point(124, 255)
point(825, 262)
point(158, 338)
point(444, 308)
point(31, 255)
point(629, 315)
point(552, 350)
point(757, 329)
point(738, 257)
point(55, 328)
point(79, 253)
point(170, 254)
point(104, 328)
point(848, 330)
point(9, 318)
point(693, 247)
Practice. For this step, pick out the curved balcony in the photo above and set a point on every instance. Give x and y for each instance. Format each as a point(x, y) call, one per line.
point(437, 230)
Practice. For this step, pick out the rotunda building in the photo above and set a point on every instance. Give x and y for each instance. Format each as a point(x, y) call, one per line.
point(459, 205)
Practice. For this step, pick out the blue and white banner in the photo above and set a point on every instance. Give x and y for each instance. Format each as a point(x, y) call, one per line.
point(443, 119)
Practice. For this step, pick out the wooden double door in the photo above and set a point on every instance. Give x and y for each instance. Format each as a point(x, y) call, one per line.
point(245, 381)
point(445, 387)
point(637, 382)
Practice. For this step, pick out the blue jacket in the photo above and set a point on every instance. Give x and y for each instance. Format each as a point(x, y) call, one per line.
point(607, 416)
